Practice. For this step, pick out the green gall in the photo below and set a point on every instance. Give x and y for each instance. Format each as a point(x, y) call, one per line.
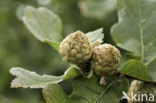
point(106, 59)
point(75, 48)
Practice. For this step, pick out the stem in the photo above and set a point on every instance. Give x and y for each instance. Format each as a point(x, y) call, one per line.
point(142, 42)
point(141, 31)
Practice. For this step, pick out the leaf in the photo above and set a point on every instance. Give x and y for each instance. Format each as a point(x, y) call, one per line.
point(96, 35)
point(43, 24)
point(97, 9)
point(53, 93)
point(87, 91)
point(25, 78)
point(135, 30)
point(136, 69)
point(152, 69)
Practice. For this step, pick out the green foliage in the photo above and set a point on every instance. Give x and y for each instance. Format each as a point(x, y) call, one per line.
point(152, 65)
point(134, 32)
point(136, 69)
point(44, 25)
point(87, 91)
point(19, 48)
point(96, 35)
point(30, 79)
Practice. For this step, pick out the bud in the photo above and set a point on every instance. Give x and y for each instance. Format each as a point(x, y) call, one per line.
point(75, 48)
point(106, 59)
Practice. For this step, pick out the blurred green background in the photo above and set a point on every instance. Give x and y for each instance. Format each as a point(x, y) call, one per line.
point(19, 48)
